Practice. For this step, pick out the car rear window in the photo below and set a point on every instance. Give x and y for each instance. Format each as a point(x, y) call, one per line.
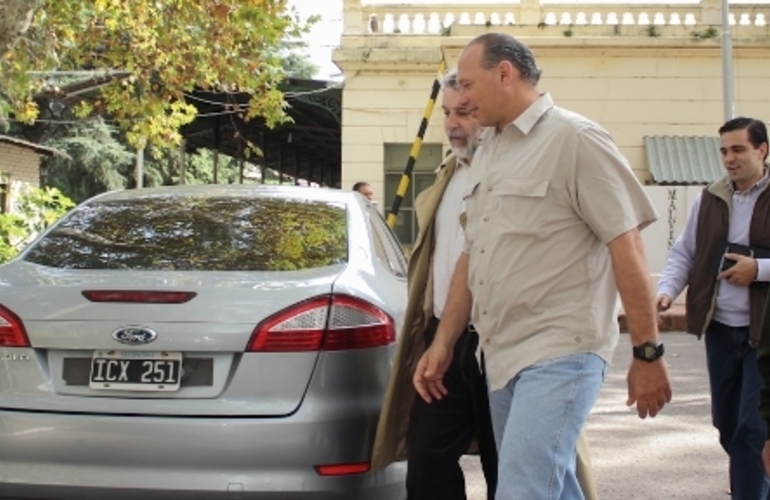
point(197, 233)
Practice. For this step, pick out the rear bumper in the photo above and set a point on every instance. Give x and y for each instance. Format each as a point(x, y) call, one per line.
point(92, 456)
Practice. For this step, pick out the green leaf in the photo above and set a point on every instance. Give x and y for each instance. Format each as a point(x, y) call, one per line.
point(168, 47)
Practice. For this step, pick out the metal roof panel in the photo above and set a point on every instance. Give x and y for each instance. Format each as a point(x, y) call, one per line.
point(683, 159)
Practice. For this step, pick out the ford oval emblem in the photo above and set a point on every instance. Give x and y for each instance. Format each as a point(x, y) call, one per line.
point(134, 335)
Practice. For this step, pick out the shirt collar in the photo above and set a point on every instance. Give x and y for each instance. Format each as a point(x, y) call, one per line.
point(761, 183)
point(529, 118)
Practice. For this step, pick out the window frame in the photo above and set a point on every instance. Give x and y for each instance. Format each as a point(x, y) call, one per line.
point(432, 155)
point(394, 252)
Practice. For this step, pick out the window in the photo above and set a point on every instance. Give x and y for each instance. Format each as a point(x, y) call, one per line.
point(423, 176)
point(389, 250)
point(197, 233)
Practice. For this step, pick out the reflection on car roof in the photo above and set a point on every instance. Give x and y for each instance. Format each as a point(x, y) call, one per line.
point(234, 190)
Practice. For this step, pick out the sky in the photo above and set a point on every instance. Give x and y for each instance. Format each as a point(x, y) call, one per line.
point(325, 35)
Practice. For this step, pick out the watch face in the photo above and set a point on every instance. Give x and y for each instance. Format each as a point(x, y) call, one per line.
point(649, 351)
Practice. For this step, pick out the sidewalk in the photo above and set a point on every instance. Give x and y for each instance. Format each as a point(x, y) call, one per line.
point(673, 320)
point(674, 456)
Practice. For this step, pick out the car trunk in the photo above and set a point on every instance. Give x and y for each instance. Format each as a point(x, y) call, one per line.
point(206, 335)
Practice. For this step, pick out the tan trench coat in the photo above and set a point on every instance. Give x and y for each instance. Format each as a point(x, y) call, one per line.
point(390, 439)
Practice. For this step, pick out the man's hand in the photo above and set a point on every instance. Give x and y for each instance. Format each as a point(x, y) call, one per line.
point(766, 457)
point(648, 386)
point(429, 375)
point(743, 273)
point(663, 303)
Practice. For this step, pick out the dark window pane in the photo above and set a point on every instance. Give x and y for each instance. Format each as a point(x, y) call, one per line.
point(197, 233)
point(391, 187)
point(403, 227)
point(422, 182)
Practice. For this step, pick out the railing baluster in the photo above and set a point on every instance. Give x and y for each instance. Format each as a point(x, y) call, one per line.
point(421, 19)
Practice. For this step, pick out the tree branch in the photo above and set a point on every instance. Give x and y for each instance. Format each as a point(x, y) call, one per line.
point(15, 19)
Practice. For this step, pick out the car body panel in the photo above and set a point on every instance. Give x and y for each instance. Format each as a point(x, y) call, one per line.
point(255, 428)
point(274, 456)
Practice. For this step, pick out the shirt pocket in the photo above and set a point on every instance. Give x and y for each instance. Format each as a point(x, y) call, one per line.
point(521, 205)
point(469, 207)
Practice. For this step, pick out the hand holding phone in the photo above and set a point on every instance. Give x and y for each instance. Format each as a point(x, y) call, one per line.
point(727, 262)
point(738, 265)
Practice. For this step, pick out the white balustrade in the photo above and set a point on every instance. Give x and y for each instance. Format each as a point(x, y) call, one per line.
point(434, 24)
point(403, 23)
point(435, 20)
point(388, 25)
point(418, 25)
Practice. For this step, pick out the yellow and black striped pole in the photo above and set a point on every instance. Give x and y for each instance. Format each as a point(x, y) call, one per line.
point(403, 185)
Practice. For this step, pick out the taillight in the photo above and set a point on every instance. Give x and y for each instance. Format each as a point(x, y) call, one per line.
point(138, 296)
point(298, 328)
point(331, 323)
point(12, 332)
point(343, 469)
point(355, 324)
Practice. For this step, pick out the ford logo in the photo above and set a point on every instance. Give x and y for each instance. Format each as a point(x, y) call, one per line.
point(134, 335)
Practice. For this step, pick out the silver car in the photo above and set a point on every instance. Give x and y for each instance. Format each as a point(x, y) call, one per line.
point(201, 342)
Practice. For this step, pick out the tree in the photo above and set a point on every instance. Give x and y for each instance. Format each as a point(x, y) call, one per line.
point(295, 62)
point(98, 161)
point(166, 48)
point(15, 19)
point(162, 168)
point(37, 209)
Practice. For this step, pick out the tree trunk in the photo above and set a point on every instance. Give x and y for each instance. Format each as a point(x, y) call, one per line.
point(15, 18)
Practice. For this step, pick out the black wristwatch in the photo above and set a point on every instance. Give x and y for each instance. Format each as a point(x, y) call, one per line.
point(649, 351)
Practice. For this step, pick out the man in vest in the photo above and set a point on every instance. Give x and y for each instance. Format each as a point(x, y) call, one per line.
point(718, 257)
point(434, 436)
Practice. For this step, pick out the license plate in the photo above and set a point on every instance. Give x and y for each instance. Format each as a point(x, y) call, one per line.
point(135, 371)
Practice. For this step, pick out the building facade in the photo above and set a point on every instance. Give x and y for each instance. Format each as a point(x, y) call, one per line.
point(651, 74)
point(19, 168)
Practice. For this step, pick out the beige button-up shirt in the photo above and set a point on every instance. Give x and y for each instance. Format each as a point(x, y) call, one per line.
point(544, 198)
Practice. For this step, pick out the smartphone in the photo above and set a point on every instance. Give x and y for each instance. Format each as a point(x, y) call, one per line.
point(726, 263)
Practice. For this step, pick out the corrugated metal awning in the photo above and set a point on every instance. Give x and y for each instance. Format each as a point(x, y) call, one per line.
point(684, 160)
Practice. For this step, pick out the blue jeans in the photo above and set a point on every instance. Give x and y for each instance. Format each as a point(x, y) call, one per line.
point(537, 418)
point(735, 385)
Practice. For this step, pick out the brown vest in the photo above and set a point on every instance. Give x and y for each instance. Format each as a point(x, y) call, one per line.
point(712, 230)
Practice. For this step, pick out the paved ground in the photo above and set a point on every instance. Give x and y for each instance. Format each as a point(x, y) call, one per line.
point(673, 456)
